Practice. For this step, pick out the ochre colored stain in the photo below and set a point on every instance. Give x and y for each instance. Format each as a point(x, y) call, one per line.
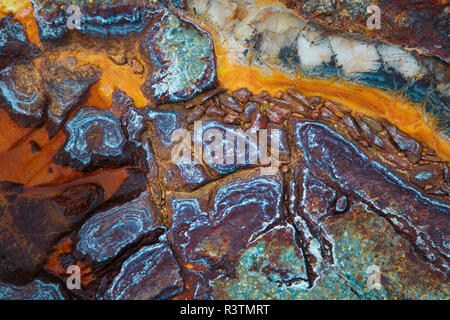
point(232, 75)
point(113, 76)
point(374, 102)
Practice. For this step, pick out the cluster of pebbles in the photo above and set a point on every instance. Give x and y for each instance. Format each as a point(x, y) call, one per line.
point(378, 136)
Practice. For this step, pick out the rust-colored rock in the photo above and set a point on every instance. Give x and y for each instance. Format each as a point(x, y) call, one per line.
point(22, 94)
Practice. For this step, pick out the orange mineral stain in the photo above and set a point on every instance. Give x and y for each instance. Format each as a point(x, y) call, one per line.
point(20, 165)
point(25, 15)
point(374, 102)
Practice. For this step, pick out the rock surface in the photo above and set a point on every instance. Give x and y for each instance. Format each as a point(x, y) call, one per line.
point(95, 139)
point(182, 57)
point(22, 94)
point(279, 195)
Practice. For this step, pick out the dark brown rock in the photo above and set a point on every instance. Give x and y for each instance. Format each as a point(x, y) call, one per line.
point(67, 87)
point(336, 107)
point(374, 138)
point(250, 111)
point(196, 113)
point(260, 121)
point(136, 66)
point(285, 113)
point(314, 114)
point(35, 147)
point(79, 200)
point(328, 115)
point(420, 220)
point(431, 158)
point(295, 106)
point(242, 95)
point(317, 197)
point(446, 188)
point(204, 240)
point(104, 235)
point(411, 147)
point(341, 204)
point(151, 273)
point(14, 42)
point(119, 58)
point(279, 102)
point(373, 123)
point(30, 226)
point(271, 267)
point(9, 186)
point(38, 289)
point(273, 116)
point(351, 126)
point(300, 98)
point(398, 161)
point(261, 98)
point(231, 118)
point(316, 101)
point(135, 126)
point(120, 101)
point(427, 175)
point(204, 97)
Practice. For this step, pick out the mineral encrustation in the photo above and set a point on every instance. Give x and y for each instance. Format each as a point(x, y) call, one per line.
point(224, 150)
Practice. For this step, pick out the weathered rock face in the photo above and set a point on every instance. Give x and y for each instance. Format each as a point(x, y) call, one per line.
point(323, 42)
point(182, 58)
point(105, 234)
point(422, 220)
point(411, 147)
point(35, 290)
point(13, 41)
point(428, 32)
point(95, 139)
point(273, 262)
point(351, 208)
point(364, 242)
point(67, 87)
point(78, 200)
point(201, 230)
point(151, 273)
point(207, 242)
point(31, 224)
point(32, 99)
point(179, 56)
point(22, 94)
point(107, 19)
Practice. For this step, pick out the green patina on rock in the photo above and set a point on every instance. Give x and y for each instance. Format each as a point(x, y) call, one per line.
point(265, 269)
point(183, 59)
point(363, 239)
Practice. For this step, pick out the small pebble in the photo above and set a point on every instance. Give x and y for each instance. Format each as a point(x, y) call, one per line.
point(341, 204)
